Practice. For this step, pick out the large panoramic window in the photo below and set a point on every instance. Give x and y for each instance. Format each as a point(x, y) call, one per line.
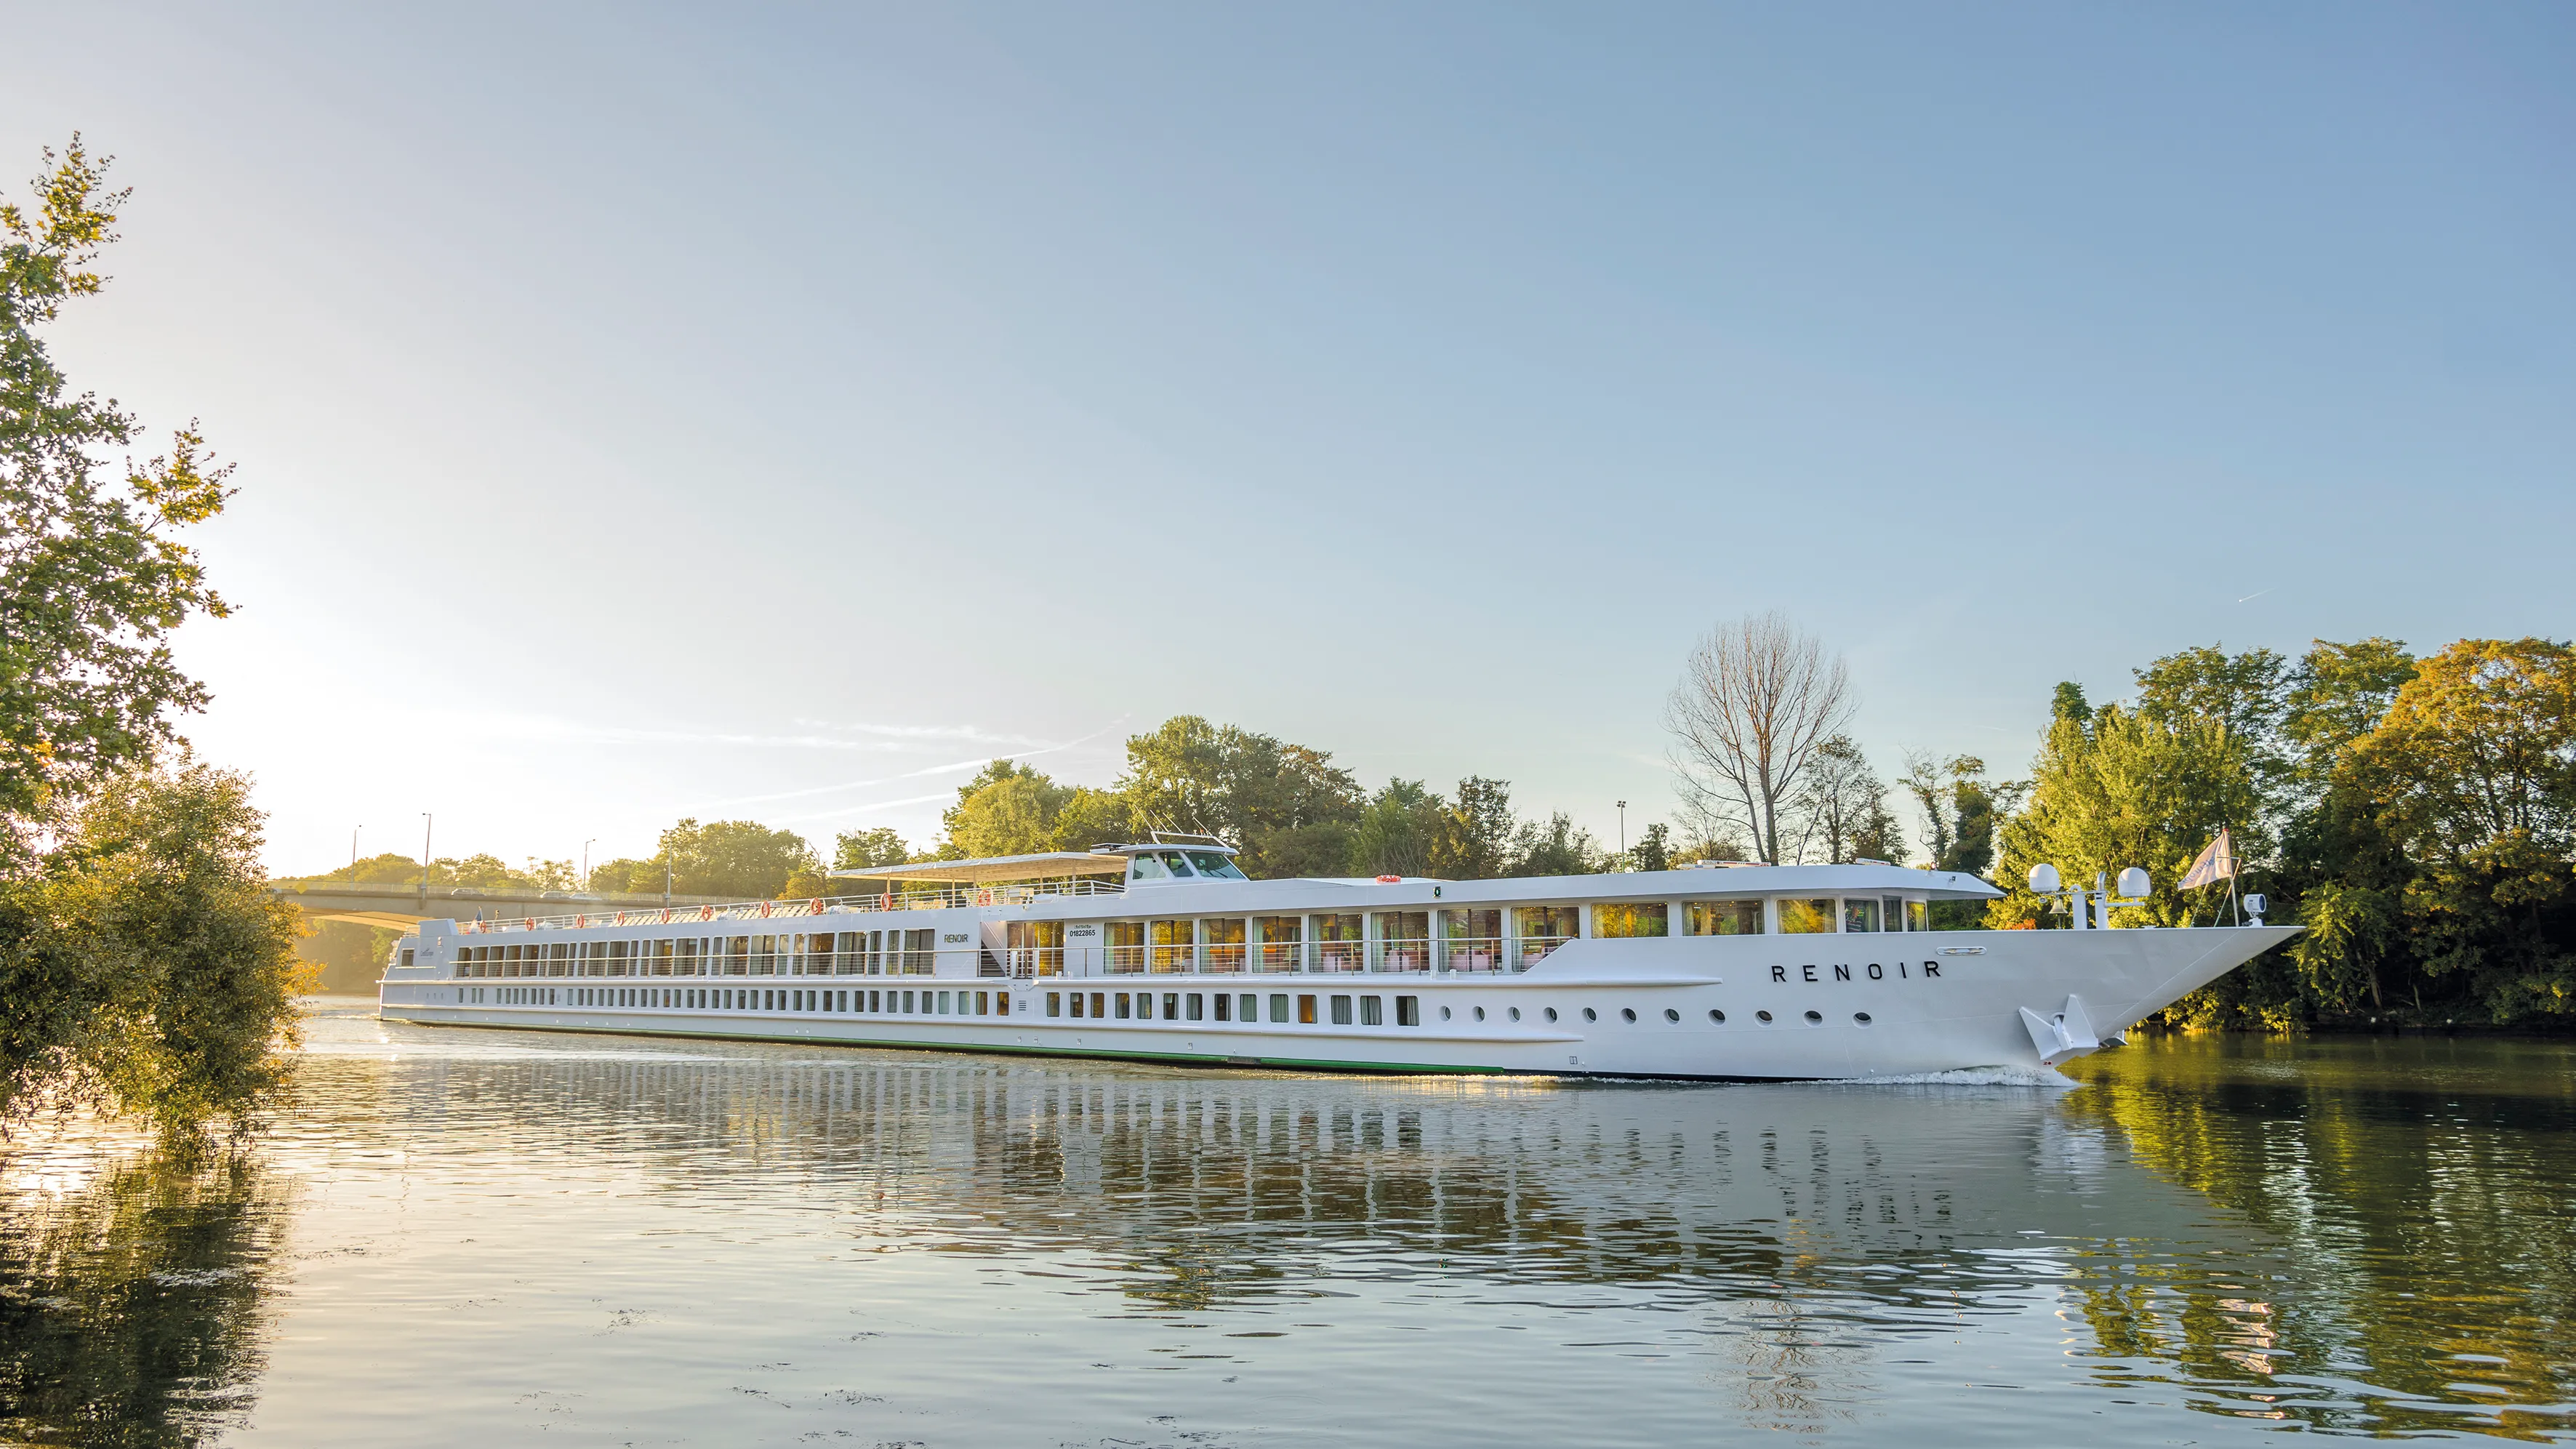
point(1542, 929)
point(1281, 939)
point(1340, 943)
point(1722, 918)
point(1471, 938)
point(1221, 944)
point(1615, 920)
point(1806, 918)
point(1125, 943)
point(1404, 940)
point(1176, 945)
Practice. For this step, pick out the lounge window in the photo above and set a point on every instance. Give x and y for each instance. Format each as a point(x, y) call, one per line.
point(1341, 1011)
point(1404, 940)
point(1408, 1010)
point(1806, 918)
point(1281, 939)
point(1722, 918)
point(1372, 1011)
point(1034, 948)
point(1176, 945)
point(1541, 929)
point(1341, 942)
point(1860, 913)
point(1471, 938)
point(1625, 919)
point(1123, 942)
point(1221, 944)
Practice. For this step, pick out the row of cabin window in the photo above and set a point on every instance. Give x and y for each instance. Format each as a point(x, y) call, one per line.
point(817, 953)
point(717, 998)
point(1228, 1006)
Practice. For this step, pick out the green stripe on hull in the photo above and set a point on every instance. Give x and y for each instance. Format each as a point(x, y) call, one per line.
point(1197, 1059)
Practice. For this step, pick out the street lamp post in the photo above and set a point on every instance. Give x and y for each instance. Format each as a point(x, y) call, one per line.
point(1623, 835)
point(427, 822)
point(584, 883)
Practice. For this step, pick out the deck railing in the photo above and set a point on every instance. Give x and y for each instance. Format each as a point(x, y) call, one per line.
point(910, 898)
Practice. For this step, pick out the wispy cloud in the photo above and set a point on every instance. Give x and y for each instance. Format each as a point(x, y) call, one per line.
point(871, 739)
point(977, 763)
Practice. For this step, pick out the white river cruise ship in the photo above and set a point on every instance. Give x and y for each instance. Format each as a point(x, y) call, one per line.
point(1164, 951)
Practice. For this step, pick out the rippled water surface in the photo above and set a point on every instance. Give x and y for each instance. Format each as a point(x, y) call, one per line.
point(485, 1237)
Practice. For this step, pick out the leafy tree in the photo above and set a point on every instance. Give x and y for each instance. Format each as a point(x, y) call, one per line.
point(147, 971)
point(1841, 799)
point(1473, 839)
point(880, 846)
point(1654, 849)
point(1007, 809)
point(1555, 847)
point(93, 580)
point(2475, 768)
point(143, 968)
point(1397, 829)
point(1960, 807)
point(737, 858)
point(2128, 790)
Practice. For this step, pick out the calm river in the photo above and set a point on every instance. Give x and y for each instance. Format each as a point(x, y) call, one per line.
point(485, 1238)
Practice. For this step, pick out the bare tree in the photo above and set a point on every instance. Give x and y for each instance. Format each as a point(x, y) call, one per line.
point(1756, 700)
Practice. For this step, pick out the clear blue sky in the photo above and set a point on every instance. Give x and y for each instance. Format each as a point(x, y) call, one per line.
point(749, 414)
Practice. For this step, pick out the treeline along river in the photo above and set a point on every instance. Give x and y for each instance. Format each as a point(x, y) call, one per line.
point(480, 1237)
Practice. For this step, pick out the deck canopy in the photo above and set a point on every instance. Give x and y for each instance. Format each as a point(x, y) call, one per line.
point(993, 869)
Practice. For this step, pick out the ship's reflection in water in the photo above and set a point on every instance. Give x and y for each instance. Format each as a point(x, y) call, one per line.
point(494, 1236)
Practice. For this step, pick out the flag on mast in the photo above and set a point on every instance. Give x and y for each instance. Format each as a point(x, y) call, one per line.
point(2217, 862)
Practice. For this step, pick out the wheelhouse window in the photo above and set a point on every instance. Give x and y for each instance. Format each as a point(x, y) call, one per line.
point(1918, 915)
point(1860, 913)
point(1542, 929)
point(1209, 865)
point(1722, 918)
point(1619, 919)
point(1891, 913)
point(1806, 917)
point(1158, 865)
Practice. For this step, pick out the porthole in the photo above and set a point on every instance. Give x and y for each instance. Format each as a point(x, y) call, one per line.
point(1764, 1017)
point(1480, 1013)
point(1627, 1013)
point(1861, 1016)
point(1444, 1013)
point(1671, 1015)
point(1551, 1012)
point(1815, 1018)
point(1590, 1015)
point(1516, 1013)
point(1717, 1016)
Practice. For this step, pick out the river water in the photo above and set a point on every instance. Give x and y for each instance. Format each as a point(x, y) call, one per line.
point(471, 1237)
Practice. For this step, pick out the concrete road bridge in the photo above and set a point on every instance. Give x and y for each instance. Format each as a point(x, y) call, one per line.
point(399, 907)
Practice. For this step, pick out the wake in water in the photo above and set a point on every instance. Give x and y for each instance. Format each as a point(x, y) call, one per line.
point(2047, 1077)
